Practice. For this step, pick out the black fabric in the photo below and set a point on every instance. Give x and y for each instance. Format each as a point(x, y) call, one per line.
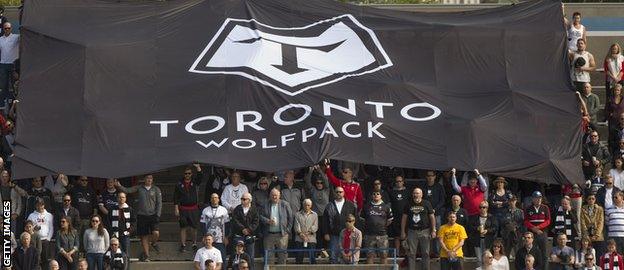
point(487, 89)
point(418, 215)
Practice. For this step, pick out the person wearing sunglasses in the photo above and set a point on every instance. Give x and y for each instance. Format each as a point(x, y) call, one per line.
point(537, 219)
point(336, 214)
point(594, 155)
point(186, 203)
point(352, 189)
point(115, 258)
point(245, 223)
point(96, 242)
point(592, 223)
point(320, 193)
point(350, 241)
point(378, 216)
point(482, 229)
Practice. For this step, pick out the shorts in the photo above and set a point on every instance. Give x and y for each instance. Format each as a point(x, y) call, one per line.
point(147, 224)
point(394, 230)
point(189, 218)
point(376, 241)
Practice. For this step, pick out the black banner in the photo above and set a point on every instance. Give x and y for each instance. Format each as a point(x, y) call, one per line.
point(117, 88)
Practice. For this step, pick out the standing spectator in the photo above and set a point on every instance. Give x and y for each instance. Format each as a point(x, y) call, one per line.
point(3, 19)
point(576, 31)
point(122, 217)
point(473, 193)
point(592, 102)
point(612, 260)
point(44, 225)
point(10, 191)
point(399, 197)
point(584, 249)
point(582, 62)
point(290, 193)
point(96, 242)
point(598, 180)
point(39, 191)
point(217, 181)
point(245, 222)
point(115, 258)
point(239, 256)
point(434, 193)
point(617, 172)
point(208, 252)
point(605, 194)
point(537, 220)
point(35, 238)
point(336, 214)
point(67, 210)
point(57, 184)
point(418, 227)
point(618, 153)
point(565, 220)
point(592, 223)
point(84, 199)
point(352, 189)
point(377, 217)
point(452, 237)
point(9, 48)
point(615, 220)
point(261, 194)
point(500, 260)
point(485, 227)
point(377, 187)
point(498, 201)
point(562, 256)
point(186, 203)
point(306, 226)
point(350, 241)
point(593, 155)
point(231, 196)
point(614, 68)
point(528, 249)
point(460, 213)
point(614, 111)
point(25, 257)
point(320, 194)
point(278, 219)
point(67, 245)
point(512, 227)
point(148, 209)
point(213, 219)
point(108, 201)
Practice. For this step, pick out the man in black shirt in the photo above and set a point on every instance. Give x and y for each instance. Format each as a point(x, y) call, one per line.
point(399, 197)
point(84, 199)
point(378, 216)
point(528, 248)
point(462, 215)
point(418, 227)
point(434, 193)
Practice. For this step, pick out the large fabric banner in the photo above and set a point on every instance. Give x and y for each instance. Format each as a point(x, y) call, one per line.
point(116, 88)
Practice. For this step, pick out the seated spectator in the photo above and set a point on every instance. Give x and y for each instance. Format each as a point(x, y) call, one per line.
point(96, 243)
point(452, 237)
point(593, 155)
point(500, 261)
point(486, 264)
point(115, 258)
point(25, 257)
point(562, 256)
point(584, 248)
point(238, 256)
point(67, 245)
point(306, 226)
point(350, 241)
point(528, 249)
point(208, 252)
point(592, 223)
point(611, 260)
point(245, 222)
point(44, 225)
point(54, 265)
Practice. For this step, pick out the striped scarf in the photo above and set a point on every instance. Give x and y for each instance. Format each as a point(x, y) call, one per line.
point(563, 224)
point(120, 222)
point(611, 265)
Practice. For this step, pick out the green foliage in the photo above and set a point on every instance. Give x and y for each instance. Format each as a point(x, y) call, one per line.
point(10, 3)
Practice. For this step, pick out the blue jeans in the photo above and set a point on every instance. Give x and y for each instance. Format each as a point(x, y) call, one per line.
point(221, 248)
point(334, 248)
point(124, 242)
point(95, 261)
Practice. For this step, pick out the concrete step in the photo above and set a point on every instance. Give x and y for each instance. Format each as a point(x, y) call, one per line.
point(168, 251)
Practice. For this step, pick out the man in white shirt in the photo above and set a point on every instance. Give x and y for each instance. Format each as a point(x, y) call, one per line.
point(44, 225)
point(9, 52)
point(207, 252)
point(213, 219)
point(231, 196)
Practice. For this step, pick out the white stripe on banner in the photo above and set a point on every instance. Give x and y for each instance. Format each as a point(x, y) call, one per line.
point(605, 33)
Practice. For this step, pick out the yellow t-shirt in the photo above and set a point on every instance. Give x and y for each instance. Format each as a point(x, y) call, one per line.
point(451, 236)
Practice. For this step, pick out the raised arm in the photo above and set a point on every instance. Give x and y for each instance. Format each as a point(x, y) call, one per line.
point(332, 178)
point(456, 187)
point(482, 183)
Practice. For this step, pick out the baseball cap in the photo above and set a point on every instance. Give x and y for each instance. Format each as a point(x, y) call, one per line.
point(537, 194)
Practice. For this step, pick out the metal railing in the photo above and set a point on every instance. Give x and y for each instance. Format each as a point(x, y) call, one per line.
point(394, 259)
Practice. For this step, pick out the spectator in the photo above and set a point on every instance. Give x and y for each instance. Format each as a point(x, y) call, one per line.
point(115, 258)
point(614, 68)
point(25, 257)
point(611, 260)
point(57, 184)
point(378, 216)
point(9, 46)
point(217, 181)
point(261, 194)
point(584, 248)
point(500, 260)
point(473, 193)
point(460, 213)
point(485, 226)
point(537, 220)
point(306, 226)
point(565, 220)
point(122, 217)
point(208, 252)
point(83, 198)
point(605, 194)
point(352, 189)
point(592, 223)
point(232, 193)
point(10, 191)
point(452, 237)
point(320, 194)
point(598, 180)
point(108, 201)
point(210, 265)
point(529, 262)
point(512, 227)
point(186, 203)
point(243, 265)
point(498, 201)
point(44, 225)
point(35, 238)
point(67, 210)
point(576, 31)
point(148, 211)
point(615, 220)
point(617, 172)
point(278, 220)
point(213, 219)
point(618, 153)
point(238, 256)
point(399, 197)
point(377, 187)
point(562, 256)
point(486, 263)
point(580, 68)
point(39, 191)
point(590, 262)
point(528, 249)
point(350, 241)
point(592, 102)
point(245, 222)
point(54, 265)
point(336, 214)
point(96, 242)
point(67, 245)
point(434, 193)
point(3, 19)
point(290, 193)
point(418, 227)
point(82, 264)
point(614, 111)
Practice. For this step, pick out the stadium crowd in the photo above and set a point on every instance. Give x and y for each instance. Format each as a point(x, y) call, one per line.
point(339, 208)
